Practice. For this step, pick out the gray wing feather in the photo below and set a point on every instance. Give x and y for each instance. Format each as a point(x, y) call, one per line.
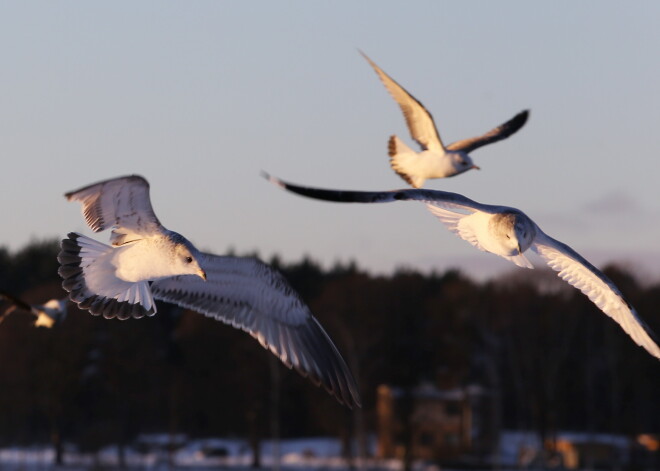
point(253, 297)
point(444, 199)
point(578, 272)
point(419, 120)
point(121, 203)
point(497, 134)
point(19, 303)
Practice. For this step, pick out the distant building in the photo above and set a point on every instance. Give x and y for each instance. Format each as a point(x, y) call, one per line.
point(433, 424)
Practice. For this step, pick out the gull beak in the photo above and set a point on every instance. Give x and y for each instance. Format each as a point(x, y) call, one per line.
point(202, 274)
point(476, 167)
point(519, 250)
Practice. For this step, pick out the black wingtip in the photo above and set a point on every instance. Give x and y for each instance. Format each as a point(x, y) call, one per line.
point(274, 180)
point(16, 301)
point(363, 54)
point(521, 118)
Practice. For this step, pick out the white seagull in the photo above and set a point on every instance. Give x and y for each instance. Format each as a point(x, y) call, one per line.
point(435, 160)
point(507, 232)
point(45, 315)
point(147, 262)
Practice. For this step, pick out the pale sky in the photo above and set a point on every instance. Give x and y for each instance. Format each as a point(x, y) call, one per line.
point(199, 96)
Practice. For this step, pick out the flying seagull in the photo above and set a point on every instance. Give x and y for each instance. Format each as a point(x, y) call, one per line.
point(507, 232)
point(435, 160)
point(45, 315)
point(147, 262)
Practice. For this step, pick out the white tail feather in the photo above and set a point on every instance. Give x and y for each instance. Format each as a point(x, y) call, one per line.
point(90, 277)
point(403, 160)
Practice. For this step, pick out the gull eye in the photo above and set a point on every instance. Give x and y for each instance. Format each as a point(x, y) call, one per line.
point(188, 259)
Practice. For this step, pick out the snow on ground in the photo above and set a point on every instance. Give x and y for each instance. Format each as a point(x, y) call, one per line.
point(150, 452)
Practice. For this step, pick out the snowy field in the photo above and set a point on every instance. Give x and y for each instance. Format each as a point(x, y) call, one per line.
point(294, 455)
point(150, 453)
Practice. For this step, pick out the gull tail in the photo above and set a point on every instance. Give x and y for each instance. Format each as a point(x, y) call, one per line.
point(90, 279)
point(402, 161)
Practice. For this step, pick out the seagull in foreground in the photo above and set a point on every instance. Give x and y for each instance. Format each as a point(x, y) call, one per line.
point(436, 160)
point(45, 315)
point(147, 262)
point(507, 232)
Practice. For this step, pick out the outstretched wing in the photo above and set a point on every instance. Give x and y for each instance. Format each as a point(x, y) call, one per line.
point(444, 199)
point(455, 211)
point(578, 272)
point(497, 134)
point(19, 303)
point(251, 296)
point(419, 120)
point(120, 203)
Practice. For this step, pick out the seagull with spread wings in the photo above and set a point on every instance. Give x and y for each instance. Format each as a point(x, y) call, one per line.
point(435, 160)
point(507, 232)
point(147, 262)
point(46, 315)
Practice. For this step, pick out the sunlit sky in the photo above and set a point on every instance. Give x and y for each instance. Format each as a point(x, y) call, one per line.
point(200, 96)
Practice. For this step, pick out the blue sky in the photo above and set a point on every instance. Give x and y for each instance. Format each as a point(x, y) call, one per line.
point(200, 96)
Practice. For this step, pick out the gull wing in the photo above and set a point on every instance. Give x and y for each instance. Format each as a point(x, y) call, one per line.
point(419, 120)
point(435, 197)
point(251, 296)
point(457, 223)
point(578, 272)
point(456, 211)
point(497, 134)
point(17, 302)
point(120, 203)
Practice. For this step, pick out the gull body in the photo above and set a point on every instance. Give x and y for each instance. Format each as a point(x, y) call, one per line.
point(46, 315)
point(168, 255)
point(435, 159)
point(147, 262)
point(509, 233)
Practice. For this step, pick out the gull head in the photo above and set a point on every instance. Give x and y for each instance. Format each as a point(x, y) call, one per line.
point(461, 162)
point(513, 231)
point(186, 258)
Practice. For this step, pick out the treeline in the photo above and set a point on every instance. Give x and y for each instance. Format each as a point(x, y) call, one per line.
point(550, 359)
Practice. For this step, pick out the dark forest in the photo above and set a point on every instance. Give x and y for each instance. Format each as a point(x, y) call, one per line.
point(549, 358)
